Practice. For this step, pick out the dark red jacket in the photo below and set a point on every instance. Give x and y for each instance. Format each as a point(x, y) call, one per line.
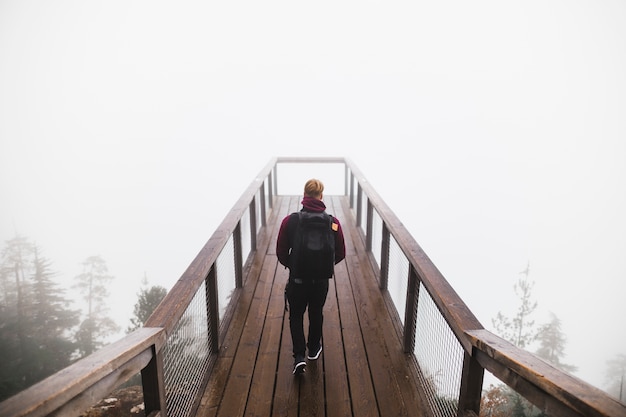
point(285, 235)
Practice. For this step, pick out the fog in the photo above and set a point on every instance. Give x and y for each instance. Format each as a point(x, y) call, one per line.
point(496, 131)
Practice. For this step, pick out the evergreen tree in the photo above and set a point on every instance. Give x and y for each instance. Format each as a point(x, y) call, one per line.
point(92, 283)
point(52, 321)
point(148, 300)
point(519, 329)
point(35, 319)
point(15, 268)
point(552, 344)
point(13, 343)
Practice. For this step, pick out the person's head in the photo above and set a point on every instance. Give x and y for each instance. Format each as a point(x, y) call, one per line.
point(314, 188)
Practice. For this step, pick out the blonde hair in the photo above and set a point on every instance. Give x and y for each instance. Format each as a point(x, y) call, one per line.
point(313, 188)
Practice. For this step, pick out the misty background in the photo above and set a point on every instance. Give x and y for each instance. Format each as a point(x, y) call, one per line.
point(496, 132)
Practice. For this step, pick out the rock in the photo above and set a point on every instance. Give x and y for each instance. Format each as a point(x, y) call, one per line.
point(124, 402)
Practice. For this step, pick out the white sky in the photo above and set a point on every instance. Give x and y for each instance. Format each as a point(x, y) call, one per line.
point(495, 130)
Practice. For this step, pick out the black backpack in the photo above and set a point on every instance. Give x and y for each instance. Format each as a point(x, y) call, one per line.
point(313, 250)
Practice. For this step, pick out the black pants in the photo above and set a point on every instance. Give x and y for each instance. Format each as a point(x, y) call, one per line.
point(301, 296)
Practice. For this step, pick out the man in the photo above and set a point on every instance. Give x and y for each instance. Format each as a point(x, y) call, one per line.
point(307, 288)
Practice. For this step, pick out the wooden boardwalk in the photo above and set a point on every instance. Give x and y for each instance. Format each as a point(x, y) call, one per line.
point(362, 370)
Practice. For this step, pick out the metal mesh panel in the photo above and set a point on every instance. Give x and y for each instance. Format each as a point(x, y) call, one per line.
point(363, 212)
point(377, 233)
point(186, 357)
point(268, 195)
point(439, 356)
point(257, 209)
point(353, 190)
point(397, 278)
point(225, 275)
point(246, 245)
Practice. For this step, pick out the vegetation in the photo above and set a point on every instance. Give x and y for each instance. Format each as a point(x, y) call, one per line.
point(92, 284)
point(147, 300)
point(521, 331)
point(40, 332)
point(35, 319)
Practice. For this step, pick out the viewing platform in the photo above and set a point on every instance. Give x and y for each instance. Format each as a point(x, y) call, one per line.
point(362, 370)
point(397, 338)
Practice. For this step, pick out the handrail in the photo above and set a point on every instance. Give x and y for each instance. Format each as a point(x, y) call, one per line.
point(147, 349)
point(555, 392)
point(67, 391)
point(458, 315)
point(171, 308)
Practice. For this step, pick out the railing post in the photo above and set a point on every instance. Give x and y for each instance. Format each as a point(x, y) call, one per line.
point(384, 258)
point(252, 224)
point(238, 256)
point(275, 171)
point(471, 386)
point(369, 226)
point(359, 193)
point(346, 178)
point(213, 309)
point(351, 190)
point(410, 311)
point(153, 382)
point(263, 214)
point(270, 189)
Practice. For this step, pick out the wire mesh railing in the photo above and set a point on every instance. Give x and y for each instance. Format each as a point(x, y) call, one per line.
point(439, 356)
point(186, 357)
point(177, 347)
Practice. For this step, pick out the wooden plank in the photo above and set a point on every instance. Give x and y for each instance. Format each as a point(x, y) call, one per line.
point(213, 396)
point(396, 390)
point(360, 380)
point(262, 388)
point(287, 392)
point(312, 390)
point(336, 375)
point(347, 380)
point(235, 396)
point(287, 387)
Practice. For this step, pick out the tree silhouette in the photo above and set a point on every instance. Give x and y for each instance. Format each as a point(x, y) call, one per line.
point(92, 284)
point(34, 320)
point(519, 329)
point(552, 344)
point(147, 300)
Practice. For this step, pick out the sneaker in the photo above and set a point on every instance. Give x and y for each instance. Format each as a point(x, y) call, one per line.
point(299, 365)
point(314, 354)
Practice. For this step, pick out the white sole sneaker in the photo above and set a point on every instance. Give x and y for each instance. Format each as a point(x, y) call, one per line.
point(316, 355)
point(299, 367)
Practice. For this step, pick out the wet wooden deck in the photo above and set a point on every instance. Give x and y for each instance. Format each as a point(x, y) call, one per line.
point(362, 370)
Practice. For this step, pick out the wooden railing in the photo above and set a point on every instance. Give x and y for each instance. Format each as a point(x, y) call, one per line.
point(161, 347)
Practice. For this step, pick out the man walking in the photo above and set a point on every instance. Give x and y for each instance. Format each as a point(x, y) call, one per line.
point(309, 243)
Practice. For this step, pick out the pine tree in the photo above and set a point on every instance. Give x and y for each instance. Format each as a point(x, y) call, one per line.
point(13, 343)
point(92, 283)
point(519, 329)
point(147, 300)
point(552, 344)
point(52, 320)
point(35, 319)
